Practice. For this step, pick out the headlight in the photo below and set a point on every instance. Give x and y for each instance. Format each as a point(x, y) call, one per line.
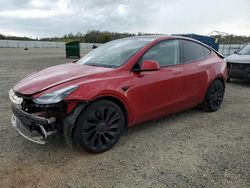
point(56, 96)
point(14, 98)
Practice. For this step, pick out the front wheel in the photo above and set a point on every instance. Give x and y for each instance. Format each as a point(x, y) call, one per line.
point(214, 96)
point(99, 126)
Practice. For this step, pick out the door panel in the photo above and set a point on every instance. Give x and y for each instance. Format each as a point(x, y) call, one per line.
point(195, 81)
point(157, 93)
point(196, 72)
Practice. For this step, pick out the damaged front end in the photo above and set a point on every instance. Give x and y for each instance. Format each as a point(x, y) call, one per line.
point(38, 122)
point(33, 127)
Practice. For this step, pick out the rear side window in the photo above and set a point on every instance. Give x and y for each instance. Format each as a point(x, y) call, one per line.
point(166, 53)
point(193, 51)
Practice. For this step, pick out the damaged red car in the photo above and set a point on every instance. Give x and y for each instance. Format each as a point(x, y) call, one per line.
point(118, 85)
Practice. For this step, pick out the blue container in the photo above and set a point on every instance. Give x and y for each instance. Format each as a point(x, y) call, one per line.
point(210, 41)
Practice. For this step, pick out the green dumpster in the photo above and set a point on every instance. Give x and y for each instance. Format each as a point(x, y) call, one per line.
point(72, 49)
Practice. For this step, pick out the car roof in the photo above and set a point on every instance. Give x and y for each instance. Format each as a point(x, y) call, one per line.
point(161, 37)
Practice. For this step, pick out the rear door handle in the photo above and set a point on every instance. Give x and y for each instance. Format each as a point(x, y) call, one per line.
point(207, 66)
point(177, 72)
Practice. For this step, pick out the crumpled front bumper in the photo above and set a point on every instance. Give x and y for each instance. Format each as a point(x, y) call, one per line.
point(32, 126)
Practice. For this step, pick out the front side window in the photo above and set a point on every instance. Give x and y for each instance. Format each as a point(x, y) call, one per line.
point(166, 53)
point(193, 51)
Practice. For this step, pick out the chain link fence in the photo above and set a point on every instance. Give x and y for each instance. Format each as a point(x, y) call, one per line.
point(39, 44)
point(225, 49)
point(228, 49)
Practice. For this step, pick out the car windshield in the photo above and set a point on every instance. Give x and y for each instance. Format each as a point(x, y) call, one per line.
point(245, 50)
point(114, 53)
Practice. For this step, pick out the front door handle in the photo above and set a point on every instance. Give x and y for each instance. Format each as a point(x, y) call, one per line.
point(177, 72)
point(207, 66)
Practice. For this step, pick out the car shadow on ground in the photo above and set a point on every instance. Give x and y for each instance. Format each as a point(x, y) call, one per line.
point(164, 121)
point(56, 147)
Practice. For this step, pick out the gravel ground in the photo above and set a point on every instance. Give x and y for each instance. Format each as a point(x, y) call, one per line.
point(189, 149)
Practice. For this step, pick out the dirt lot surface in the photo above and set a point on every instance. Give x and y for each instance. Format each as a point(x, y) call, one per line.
point(188, 149)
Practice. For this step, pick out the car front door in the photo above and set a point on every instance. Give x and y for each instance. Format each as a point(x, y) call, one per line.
point(158, 93)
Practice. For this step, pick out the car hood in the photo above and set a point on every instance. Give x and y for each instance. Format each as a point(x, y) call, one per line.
point(53, 76)
point(236, 58)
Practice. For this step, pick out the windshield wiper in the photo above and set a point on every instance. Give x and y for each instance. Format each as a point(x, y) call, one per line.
point(94, 65)
point(100, 65)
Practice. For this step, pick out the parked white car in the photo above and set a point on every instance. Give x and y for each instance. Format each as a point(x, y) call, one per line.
point(239, 63)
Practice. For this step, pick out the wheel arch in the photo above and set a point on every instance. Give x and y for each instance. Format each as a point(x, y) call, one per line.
point(207, 107)
point(118, 102)
point(220, 78)
point(69, 121)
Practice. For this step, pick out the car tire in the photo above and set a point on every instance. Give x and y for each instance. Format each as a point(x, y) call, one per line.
point(99, 126)
point(214, 96)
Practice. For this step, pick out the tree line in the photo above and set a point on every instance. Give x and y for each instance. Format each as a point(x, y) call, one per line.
point(96, 36)
point(3, 37)
point(232, 39)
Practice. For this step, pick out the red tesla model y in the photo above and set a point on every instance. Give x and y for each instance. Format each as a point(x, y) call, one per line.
point(118, 85)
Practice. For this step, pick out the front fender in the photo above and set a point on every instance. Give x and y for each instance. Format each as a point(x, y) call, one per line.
point(91, 91)
point(69, 122)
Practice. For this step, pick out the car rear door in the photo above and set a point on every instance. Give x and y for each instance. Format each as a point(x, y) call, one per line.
point(157, 93)
point(197, 68)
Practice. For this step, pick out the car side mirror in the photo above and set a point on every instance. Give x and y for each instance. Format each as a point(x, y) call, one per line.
point(150, 65)
point(235, 52)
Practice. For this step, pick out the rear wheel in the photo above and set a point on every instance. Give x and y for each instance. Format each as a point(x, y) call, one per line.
point(99, 127)
point(214, 96)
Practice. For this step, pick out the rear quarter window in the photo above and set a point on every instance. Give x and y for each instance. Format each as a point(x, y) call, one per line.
point(207, 52)
point(193, 51)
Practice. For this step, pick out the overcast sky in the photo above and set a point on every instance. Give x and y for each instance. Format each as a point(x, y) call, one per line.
point(47, 18)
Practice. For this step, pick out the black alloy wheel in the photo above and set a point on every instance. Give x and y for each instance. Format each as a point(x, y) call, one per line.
point(99, 127)
point(214, 96)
